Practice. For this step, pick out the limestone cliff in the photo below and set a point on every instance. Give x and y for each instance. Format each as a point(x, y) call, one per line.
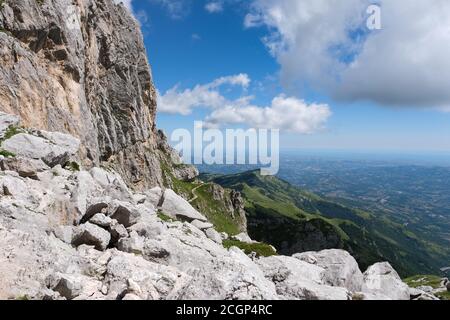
point(80, 67)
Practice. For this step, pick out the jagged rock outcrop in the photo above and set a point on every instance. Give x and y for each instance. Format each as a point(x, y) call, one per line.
point(383, 279)
point(69, 234)
point(341, 269)
point(80, 67)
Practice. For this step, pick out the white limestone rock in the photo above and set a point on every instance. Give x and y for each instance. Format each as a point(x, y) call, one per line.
point(51, 152)
point(296, 279)
point(382, 279)
point(133, 244)
point(101, 220)
point(202, 225)
point(213, 235)
point(91, 234)
point(177, 207)
point(25, 167)
point(341, 269)
point(243, 237)
point(7, 121)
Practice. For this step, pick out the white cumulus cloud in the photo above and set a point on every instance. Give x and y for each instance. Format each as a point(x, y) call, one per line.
point(325, 44)
point(176, 101)
point(214, 7)
point(284, 113)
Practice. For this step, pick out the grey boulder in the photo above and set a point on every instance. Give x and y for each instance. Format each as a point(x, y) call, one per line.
point(177, 207)
point(25, 167)
point(92, 235)
point(341, 269)
point(214, 235)
point(382, 279)
point(34, 147)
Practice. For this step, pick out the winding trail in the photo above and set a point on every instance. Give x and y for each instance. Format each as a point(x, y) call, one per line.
point(202, 184)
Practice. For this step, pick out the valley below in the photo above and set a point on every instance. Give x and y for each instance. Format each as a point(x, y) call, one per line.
point(378, 209)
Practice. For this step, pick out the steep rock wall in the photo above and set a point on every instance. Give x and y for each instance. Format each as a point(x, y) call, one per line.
point(80, 66)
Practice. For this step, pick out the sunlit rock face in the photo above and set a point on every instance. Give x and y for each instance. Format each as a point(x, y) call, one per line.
point(80, 67)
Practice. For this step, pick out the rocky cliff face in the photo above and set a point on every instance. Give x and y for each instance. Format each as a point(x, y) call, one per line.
point(80, 67)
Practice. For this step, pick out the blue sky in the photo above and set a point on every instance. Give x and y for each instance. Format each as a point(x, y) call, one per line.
point(189, 46)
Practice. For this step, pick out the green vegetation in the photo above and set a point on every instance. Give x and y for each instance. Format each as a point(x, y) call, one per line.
point(215, 210)
point(294, 220)
point(444, 295)
point(72, 166)
point(6, 154)
point(164, 217)
point(424, 280)
point(261, 249)
point(12, 131)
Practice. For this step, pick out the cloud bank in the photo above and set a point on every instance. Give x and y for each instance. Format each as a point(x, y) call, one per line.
point(284, 113)
point(325, 44)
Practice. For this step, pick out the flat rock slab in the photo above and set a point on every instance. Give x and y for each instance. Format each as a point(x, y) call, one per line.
point(33, 147)
point(177, 207)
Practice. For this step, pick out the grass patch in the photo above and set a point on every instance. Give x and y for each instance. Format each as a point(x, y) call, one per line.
point(164, 217)
point(424, 280)
point(445, 295)
point(72, 166)
point(216, 212)
point(12, 131)
point(261, 249)
point(6, 154)
point(23, 298)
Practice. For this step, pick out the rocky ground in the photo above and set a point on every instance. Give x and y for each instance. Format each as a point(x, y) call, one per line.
point(67, 233)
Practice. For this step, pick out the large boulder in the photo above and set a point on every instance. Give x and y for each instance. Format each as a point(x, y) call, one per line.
point(133, 244)
point(155, 281)
point(214, 235)
point(296, 279)
point(91, 234)
point(52, 152)
point(382, 279)
point(87, 196)
point(154, 196)
point(341, 269)
point(125, 213)
point(177, 207)
point(75, 286)
point(25, 167)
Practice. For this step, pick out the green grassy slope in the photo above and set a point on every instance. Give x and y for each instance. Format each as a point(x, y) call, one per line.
point(294, 220)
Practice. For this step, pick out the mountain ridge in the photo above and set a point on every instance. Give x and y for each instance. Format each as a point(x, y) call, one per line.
point(362, 233)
